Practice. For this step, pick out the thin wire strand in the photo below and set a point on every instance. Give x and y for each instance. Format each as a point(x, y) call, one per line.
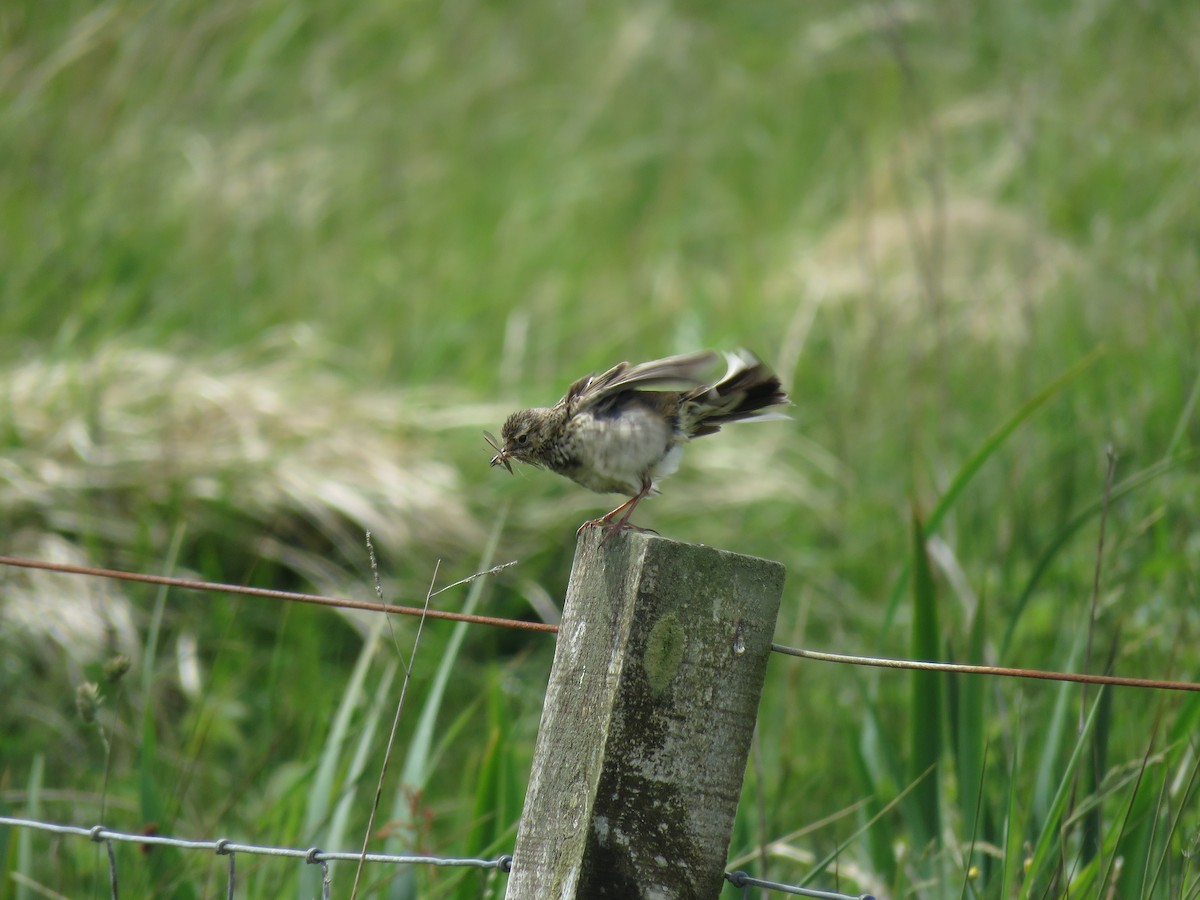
point(225, 846)
point(845, 659)
point(744, 880)
point(189, 584)
point(1001, 671)
point(316, 856)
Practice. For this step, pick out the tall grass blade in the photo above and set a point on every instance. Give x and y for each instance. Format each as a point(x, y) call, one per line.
point(1128, 486)
point(969, 863)
point(376, 715)
point(1011, 864)
point(23, 846)
point(926, 720)
point(1120, 847)
point(1093, 825)
point(1183, 799)
point(865, 755)
point(976, 461)
point(419, 759)
point(496, 796)
point(897, 801)
point(1051, 739)
point(967, 715)
point(1048, 838)
point(162, 869)
point(326, 784)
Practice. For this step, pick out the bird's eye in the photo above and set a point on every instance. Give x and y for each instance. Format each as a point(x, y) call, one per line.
point(522, 438)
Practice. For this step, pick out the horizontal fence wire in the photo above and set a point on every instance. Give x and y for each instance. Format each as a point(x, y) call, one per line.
point(227, 847)
point(999, 671)
point(745, 881)
point(191, 584)
point(316, 856)
point(346, 603)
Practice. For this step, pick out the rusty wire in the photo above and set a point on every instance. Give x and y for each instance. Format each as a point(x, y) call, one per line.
point(499, 622)
point(189, 584)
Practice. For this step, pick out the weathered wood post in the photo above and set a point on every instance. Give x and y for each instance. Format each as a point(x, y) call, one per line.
point(647, 721)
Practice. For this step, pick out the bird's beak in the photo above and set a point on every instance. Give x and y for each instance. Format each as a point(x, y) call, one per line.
point(501, 457)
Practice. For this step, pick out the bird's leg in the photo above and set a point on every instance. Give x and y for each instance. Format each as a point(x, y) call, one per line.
point(623, 523)
point(606, 521)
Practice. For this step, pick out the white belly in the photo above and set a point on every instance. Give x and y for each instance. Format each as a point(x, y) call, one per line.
point(615, 454)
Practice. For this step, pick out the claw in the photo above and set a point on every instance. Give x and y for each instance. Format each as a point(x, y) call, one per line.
point(622, 524)
point(611, 528)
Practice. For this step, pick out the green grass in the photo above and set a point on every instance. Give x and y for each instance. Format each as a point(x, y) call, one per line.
point(268, 269)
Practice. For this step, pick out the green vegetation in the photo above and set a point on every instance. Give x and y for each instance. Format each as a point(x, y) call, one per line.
point(267, 269)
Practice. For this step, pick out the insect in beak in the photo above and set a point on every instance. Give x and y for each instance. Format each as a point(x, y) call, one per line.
point(501, 457)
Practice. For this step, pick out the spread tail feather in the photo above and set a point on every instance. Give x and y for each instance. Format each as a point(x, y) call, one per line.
point(747, 390)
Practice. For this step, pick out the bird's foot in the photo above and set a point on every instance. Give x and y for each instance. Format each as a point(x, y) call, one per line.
point(625, 510)
point(610, 527)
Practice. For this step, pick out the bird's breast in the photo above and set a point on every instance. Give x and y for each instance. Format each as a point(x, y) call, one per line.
point(613, 452)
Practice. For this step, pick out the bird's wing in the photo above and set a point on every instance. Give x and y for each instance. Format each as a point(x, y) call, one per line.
point(684, 371)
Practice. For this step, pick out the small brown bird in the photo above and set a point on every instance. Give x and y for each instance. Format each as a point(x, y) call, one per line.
point(613, 435)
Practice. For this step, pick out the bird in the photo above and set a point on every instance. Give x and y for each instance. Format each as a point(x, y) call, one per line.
point(624, 429)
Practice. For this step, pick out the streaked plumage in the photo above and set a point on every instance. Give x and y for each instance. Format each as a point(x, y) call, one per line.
point(621, 431)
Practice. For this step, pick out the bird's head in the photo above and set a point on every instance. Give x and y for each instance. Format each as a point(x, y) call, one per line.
point(525, 436)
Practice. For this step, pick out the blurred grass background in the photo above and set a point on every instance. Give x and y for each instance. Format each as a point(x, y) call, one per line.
point(267, 269)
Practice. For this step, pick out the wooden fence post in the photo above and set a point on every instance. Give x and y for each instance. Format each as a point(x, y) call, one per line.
point(647, 721)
